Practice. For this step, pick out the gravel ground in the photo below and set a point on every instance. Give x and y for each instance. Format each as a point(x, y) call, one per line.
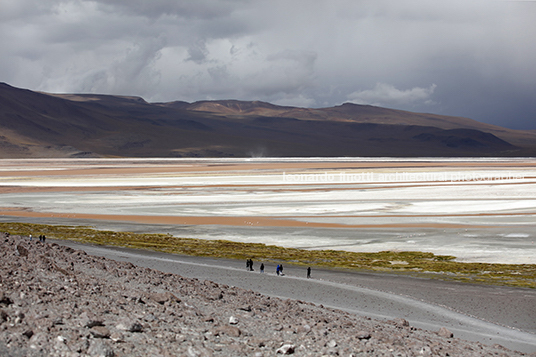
point(60, 301)
point(487, 314)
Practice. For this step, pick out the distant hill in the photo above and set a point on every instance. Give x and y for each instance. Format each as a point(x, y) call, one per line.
point(35, 124)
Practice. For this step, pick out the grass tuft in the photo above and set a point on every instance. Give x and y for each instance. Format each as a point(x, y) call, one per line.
point(412, 263)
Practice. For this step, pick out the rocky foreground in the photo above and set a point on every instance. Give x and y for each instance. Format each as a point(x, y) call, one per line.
point(57, 301)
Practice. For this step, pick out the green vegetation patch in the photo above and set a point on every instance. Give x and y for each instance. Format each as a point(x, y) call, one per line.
point(414, 263)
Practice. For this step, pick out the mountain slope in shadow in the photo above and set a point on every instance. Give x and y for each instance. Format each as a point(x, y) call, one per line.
point(34, 124)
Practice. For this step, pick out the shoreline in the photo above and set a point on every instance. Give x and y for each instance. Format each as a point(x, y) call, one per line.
point(279, 221)
point(159, 239)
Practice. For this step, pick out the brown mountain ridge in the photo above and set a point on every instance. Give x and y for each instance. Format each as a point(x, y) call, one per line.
point(35, 124)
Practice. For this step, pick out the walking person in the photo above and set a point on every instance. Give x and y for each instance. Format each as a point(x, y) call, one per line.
point(281, 269)
point(251, 265)
point(309, 273)
point(262, 267)
point(277, 269)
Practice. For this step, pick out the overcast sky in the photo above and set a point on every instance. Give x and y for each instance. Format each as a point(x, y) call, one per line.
point(466, 58)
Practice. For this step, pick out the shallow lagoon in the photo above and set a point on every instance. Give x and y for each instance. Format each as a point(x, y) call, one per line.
point(475, 209)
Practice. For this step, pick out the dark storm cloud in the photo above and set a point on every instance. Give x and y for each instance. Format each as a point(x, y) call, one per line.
point(201, 9)
point(467, 58)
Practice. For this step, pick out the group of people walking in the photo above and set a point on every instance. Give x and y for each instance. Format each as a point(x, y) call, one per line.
point(249, 264)
point(42, 238)
point(278, 269)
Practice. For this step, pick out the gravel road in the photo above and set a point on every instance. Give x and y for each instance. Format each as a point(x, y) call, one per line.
point(490, 315)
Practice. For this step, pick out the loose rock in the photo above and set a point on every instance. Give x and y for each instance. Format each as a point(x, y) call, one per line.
point(444, 332)
point(63, 302)
point(100, 332)
point(363, 335)
point(286, 349)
